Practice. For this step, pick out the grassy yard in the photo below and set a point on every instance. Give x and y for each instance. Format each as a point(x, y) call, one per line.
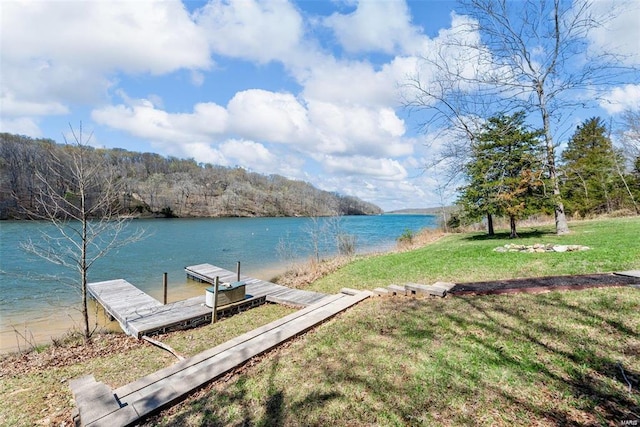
point(545, 359)
point(614, 243)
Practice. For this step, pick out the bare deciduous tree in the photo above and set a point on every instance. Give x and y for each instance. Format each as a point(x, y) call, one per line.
point(505, 56)
point(630, 134)
point(79, 194)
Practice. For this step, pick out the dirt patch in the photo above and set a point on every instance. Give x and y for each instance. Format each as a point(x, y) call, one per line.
point(66, 354)
point(543, 284)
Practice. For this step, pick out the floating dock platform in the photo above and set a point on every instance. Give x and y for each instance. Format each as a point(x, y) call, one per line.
point(274, 293)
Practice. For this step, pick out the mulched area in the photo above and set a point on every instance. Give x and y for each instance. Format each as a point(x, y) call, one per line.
point(543, 284)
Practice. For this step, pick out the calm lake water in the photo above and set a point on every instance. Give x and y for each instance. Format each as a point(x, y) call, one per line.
point(36, 301)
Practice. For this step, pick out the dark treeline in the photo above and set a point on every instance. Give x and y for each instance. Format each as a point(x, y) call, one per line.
point(153, 185)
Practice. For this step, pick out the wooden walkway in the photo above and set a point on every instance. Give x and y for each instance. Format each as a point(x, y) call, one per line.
point(256, 287)
point(140, 314)
point(99, 405)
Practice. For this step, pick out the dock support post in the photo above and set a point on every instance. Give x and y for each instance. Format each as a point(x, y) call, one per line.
point(164, 288)
point(214, 313)
point(238, 270)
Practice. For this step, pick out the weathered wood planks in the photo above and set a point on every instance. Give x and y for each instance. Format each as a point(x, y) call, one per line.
point(124, 302)
point(140, 314)
point(256, 287)
point(128, 404)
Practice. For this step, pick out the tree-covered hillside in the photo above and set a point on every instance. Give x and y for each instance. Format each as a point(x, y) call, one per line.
point(154, 185)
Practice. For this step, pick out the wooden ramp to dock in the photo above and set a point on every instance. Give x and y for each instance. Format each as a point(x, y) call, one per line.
point(256, 287)
point(99, 405)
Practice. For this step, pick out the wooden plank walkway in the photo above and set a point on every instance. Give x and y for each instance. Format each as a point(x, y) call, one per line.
point(256, 287)
point(99, 405)
point(630, 273)
point(140, 314)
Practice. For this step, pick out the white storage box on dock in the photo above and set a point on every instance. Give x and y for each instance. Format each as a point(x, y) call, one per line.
point(228, 293)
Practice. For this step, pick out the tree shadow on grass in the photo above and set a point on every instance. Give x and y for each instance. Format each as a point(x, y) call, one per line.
point(441, 361)
point(583, 368)
point(274, 405)
point(234, 403)
point(504, 235)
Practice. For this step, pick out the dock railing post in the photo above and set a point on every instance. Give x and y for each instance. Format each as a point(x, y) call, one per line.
point(238, 270)
point(214, 313)
point(164, 287)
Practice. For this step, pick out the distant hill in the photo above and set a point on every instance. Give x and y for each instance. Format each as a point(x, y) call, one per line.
point(422, 211)
point(153, 185)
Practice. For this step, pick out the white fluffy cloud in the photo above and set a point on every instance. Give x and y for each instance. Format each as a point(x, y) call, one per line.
point(622, 98)
point(350, 129)
point(264, 115)
point(377, 26)
point(200, 151)
point(248, 152)
point(58, 53)
point(620, 33)
point(104, 35)
point(20, 126)
point(354, 82)
point(402, 193)
point(321, 128)
point(385, 169)
point(256, 30)
point(142, 119)
point(21, 107)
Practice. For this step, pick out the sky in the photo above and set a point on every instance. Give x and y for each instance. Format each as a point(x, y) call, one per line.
point(305, 89)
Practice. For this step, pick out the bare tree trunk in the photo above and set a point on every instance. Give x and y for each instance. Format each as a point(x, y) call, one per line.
point(562, 227)
point(512, 224)
point(83, 269)
point(626, 186)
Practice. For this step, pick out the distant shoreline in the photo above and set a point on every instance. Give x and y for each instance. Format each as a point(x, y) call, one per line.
point(421, 211)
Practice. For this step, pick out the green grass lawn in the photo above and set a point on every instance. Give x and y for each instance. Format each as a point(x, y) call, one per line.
point(614, 243)
point(559, 358)
point(546, 359)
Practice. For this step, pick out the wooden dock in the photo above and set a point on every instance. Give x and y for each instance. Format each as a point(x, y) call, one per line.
point(140, 314)
point(274, 293)
point(99, 405)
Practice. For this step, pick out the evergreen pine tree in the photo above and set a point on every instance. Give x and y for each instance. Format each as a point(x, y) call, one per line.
point(591, 181)
point(505, 172)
